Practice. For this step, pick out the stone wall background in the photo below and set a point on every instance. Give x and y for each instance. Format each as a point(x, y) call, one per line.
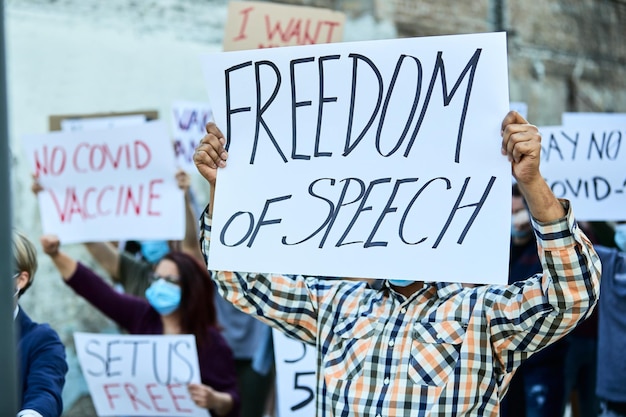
point(86, 56)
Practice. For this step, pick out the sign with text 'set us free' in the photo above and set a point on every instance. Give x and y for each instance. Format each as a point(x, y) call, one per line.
point(140, 375)
point(376, 159)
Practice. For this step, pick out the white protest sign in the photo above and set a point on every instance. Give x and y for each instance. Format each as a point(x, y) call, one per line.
point(139, 375)
point(586, 164)
point(295, 376)
point(113, 184)
point(95, 123)
point(374, 159)
point(188, 126)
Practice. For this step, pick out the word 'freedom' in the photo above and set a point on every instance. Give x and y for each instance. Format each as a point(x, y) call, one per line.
point(360, 63)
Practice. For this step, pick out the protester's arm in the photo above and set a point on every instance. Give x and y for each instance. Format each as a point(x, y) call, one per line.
point(107, 256)
point(521, 143)
point(190, 241)
point(529, 315)
point(288, 303)
point(103, 252)
point(124, 309)
point(63, 262)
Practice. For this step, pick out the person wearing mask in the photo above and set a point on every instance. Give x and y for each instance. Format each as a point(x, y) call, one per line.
point(130, 271)
point(611, 376)
point(41, 355)
point(179, 300)
point(426, 348)
point(537, 388)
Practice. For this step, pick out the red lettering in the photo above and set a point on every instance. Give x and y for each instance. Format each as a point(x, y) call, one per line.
point(147, 157)
point(170, 389)
point(99, 201)
point(86, 205)
point(277, 29)
point(75, 159)
point(110, 396)
point(120, 193)
point(48, 164)
point(152, 195)
point(294, 31)
point(129, 200)
point(92, 158)
point(242, 29)
point(154, 397)
point(131, 391)
point(332, 26)
point(307, 39)
point(70, 207)
point(92, 203)
point(60, 212)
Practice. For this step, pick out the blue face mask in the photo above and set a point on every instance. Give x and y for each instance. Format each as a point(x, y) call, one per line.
point(620, 236)
point(400, 282)
point(519, 234)
point(163, 296)
point(154, 250)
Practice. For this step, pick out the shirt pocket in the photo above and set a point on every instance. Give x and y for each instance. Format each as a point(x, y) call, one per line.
point(435, 351)
point(350, 348)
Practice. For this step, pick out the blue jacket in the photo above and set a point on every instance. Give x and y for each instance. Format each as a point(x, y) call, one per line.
point(611, 376)
point(42, 366)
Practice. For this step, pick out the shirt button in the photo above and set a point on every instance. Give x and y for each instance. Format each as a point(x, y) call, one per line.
point(378, 415)
point(391, 342)
point(403, 311)
point(386, 381)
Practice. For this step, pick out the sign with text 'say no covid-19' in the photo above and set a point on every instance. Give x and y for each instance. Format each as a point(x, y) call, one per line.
point(376, 159)
point(584, 161)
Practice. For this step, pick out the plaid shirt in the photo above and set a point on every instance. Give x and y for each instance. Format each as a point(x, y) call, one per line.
point(444, 351)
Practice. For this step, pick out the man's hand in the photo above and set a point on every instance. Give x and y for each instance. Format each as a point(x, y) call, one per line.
point(210, 153)
point(521, 142)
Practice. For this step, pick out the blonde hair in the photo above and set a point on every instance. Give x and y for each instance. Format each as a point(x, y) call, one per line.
point(25, 257)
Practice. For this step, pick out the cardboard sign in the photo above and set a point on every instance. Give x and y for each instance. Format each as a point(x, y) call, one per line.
point(295, 376)
point(253, 25)
point(137, 375)
point(376, 159)
point(188, 126)
point(113, 184)
point(586, 164)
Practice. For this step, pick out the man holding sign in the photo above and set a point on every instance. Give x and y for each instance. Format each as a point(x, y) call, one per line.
point(426, 348)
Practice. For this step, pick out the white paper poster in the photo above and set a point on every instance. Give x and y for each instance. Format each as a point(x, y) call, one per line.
point(139, 375)
point(376, 159)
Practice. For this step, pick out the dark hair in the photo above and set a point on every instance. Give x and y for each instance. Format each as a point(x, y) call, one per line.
point(197, 305)
point(515, 190)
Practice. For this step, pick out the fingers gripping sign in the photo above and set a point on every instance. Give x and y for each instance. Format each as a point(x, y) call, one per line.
point(210, 153)
point(521, 143)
